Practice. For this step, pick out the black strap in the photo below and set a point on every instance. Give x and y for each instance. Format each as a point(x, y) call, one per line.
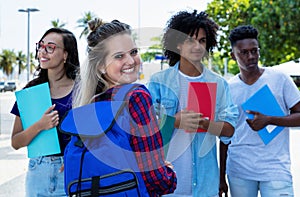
point(80, 171)
point(97, 190)
point(95, 186)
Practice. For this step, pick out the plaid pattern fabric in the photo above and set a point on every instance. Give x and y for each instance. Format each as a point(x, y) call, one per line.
point(146, 141)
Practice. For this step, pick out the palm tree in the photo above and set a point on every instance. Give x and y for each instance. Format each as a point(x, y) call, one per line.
point(57, 23)
point(83, 23)
point(32, 63)
point(21, 61)
point(8, 59)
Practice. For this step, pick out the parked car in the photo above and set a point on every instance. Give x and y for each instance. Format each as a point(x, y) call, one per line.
point(10, 86)
point(2, 86)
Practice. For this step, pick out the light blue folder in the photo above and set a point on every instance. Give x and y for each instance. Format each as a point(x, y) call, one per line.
point(264, 102)
point(32, 103)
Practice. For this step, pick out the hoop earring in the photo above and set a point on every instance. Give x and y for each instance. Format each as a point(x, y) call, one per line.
point(102, 71)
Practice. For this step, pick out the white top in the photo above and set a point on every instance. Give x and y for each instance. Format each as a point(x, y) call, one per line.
point(181, 146)
point(248, 157)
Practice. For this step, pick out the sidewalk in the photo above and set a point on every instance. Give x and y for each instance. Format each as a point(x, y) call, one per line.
point(13, 164)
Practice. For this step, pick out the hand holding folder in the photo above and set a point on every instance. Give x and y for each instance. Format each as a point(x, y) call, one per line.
point(263, 101)
point(202, 99)
point(32, 104)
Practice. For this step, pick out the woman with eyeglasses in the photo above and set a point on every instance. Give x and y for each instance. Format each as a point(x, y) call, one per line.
point(58, 59)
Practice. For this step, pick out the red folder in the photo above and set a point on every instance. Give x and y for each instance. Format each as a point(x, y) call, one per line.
point(202, 99)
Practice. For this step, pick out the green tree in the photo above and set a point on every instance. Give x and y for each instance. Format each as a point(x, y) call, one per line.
point(33, 63)
point(227, 14)
point(7, 61)
point(83, 23)
point(277, 22)
point(21, 61)
point(57, 23)
point(279, 27)
point(153, 50)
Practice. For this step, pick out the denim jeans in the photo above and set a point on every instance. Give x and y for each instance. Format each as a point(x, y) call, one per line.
point(43, 177)
point(249, 188)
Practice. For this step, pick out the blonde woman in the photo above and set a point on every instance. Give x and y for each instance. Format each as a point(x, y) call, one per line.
point(113, 60)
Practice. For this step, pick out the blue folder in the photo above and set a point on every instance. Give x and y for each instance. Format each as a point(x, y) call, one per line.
point(263, 101)
point(32, 103)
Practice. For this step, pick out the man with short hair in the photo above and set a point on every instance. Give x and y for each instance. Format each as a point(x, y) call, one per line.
point(252, 165)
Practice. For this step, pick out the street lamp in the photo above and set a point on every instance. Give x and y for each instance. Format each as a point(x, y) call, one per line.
point(28, 10)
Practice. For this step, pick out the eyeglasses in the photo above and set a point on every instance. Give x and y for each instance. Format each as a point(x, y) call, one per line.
point(49, 48)
point(246, 53)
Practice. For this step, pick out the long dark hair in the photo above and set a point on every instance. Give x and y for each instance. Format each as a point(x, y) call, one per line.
point(72, 62)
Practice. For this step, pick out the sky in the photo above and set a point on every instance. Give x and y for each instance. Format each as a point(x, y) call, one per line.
point(147, 17)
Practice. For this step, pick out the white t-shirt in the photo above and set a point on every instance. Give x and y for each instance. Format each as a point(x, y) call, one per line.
point(180, 146)
point(248, 157)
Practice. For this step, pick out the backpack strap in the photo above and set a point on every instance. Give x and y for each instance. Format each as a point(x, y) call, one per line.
point(124, 91)
point(96, 118)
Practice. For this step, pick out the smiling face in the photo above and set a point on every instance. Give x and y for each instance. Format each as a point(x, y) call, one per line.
point(122, 63)
point(52, 59)
point(246, 53)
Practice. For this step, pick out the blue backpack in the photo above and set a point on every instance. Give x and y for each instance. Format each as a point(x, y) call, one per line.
point(99, 161)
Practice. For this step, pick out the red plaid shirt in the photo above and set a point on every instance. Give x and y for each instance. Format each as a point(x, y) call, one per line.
point(146, 141)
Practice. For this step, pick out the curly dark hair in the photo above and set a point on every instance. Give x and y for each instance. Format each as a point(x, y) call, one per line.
point(72, 61)
point(184, 24)
point(242, 32)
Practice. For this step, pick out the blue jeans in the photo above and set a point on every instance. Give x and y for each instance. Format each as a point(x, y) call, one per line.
point(43, 177)
point(249, 188)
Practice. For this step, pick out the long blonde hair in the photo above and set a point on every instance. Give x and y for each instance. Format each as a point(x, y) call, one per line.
point(92, 81)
